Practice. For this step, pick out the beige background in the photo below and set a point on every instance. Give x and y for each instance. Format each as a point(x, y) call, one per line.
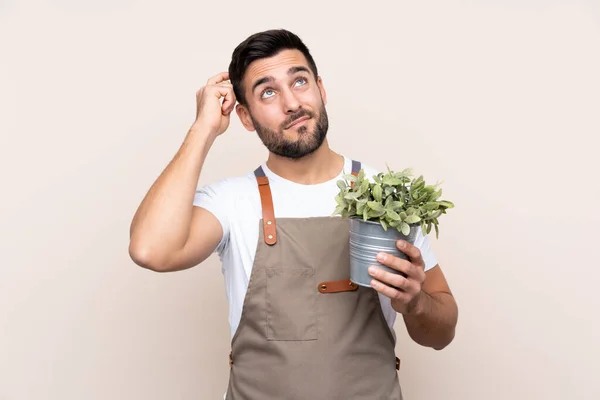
point(500, 100)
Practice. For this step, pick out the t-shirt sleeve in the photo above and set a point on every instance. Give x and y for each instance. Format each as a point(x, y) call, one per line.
point(214, 199)
point(424, 245)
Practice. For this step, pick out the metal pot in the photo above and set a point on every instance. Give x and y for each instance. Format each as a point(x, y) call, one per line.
point(367, 238)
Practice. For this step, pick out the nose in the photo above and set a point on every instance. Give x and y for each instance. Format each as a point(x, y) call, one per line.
point(290, 102)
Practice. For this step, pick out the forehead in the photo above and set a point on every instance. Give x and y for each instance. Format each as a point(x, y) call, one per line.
point(276, 66)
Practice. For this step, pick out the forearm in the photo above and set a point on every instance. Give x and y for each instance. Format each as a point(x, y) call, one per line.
point(161, 224)
point(432, 321)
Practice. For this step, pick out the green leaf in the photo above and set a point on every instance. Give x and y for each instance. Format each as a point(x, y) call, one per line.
point(403, 215)
point(364, 186)
point(383, 224)
point(405, 228)
point(342, 184)
point(376, 213)
point(352, 196)
point(394, 224)
point(350, 177)
point(435, 214)
point(412, 219)
point(420, 189)
point(431, 205)
point(446, 203)
point(393, 215)
point(360, 206)
point(373, 205)
point(377, 192)
point(391, 181)
point(338, 210)
point(396, 205)
point(361, 175)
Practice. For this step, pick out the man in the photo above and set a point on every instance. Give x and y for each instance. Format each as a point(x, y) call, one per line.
point(278, 242)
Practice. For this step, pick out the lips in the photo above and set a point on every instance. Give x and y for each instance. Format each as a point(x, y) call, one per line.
point(299, 120)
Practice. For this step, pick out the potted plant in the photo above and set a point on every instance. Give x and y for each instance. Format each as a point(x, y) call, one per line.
point(392, 206)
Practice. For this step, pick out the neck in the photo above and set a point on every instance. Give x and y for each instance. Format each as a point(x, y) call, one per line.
point(320, 166)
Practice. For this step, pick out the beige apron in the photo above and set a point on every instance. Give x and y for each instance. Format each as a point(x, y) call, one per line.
point(306, 332)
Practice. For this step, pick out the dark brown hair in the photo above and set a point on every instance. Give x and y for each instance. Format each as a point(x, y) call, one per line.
point(262, 45)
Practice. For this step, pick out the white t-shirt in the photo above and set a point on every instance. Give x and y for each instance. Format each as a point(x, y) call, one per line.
point(235, 201)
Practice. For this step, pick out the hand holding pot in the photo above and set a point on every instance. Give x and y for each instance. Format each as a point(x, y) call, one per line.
point(404, 291)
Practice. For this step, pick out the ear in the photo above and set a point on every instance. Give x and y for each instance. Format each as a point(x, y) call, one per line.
point(322, 89)
point(244, 115)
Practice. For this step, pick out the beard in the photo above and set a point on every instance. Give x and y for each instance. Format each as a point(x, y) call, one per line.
point(307, 141)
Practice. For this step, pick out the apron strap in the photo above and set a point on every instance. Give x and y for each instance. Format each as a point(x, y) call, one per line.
point(266, 200)
point(355, 170)
point(344, 285)
point(355, 167)
point(268, 213)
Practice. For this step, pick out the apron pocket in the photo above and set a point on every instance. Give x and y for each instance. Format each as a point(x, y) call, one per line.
point(291, 304)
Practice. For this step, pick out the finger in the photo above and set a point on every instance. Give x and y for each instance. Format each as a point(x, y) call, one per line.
point(390, 279)
point(389, 291)
point(228, 98)
point(397, 263)
point(221, 77)
point(411, 251)
point(226, 85)
point(221, 91)
point(228, 105)
point(229, 102)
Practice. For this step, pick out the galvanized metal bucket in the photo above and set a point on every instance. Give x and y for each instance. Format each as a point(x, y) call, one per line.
point(367, 238)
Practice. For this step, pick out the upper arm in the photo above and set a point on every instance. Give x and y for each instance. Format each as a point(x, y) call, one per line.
point(435, 281)
point(209, 227)
point(205, 235)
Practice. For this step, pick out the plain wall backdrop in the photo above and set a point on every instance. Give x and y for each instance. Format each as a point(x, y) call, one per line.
point(498, 99)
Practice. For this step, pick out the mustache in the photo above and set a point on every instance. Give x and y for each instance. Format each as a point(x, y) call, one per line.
point(294, 117)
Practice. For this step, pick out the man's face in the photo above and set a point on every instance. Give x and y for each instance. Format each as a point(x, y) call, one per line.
point(286, 104)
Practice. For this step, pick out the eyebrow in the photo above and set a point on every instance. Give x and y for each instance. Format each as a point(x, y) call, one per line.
point(291, 71)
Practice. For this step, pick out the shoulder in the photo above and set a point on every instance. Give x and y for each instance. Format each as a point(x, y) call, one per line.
point(224, 196)
point(231, 200)
point(228, 186)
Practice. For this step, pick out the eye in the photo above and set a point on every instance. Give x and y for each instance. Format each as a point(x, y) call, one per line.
point(303, 80)
point(267, 93)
